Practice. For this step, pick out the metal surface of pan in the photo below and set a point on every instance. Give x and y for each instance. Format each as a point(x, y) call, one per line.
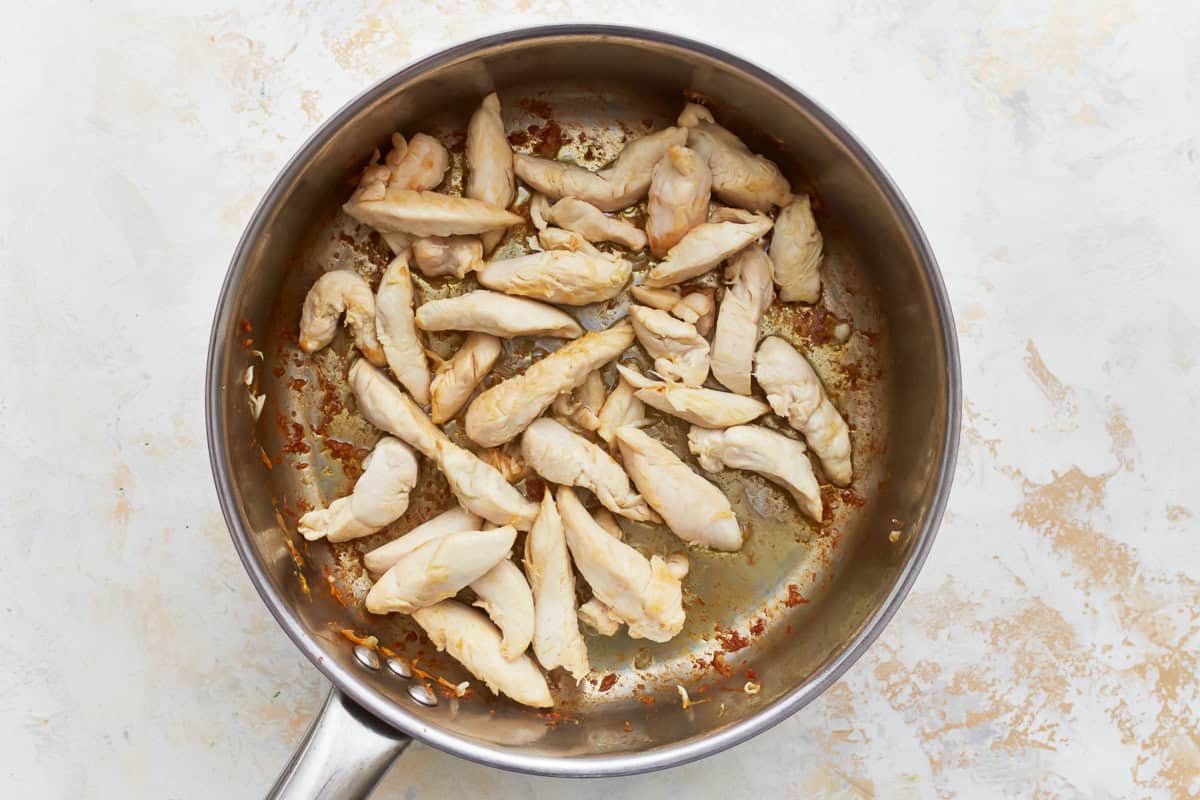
point(789, 613)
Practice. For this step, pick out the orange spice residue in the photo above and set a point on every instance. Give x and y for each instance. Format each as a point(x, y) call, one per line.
point(794, 597)
point(732, 641)
point(646, 700)
point(366, 640)
point(334, 591)
point(608, 682)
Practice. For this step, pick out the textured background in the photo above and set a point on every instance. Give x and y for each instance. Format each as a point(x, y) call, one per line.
point(1051, 151)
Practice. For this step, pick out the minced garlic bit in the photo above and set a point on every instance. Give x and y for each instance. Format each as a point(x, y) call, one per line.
point(841, 332)
point(461, 689)
point(248, 378)
point(894, 537)
point(686, 701)
point(751, 688)
point(721, 711)
point(366, 640)
point(256, 404)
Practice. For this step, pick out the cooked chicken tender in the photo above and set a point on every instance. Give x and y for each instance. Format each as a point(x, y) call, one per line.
point(417, 165)
point(739, 177)
point(695, 307)
point(456, 519)
point(457, 377)
point(379, 497)
point(568, 459)
point(474, 642)
point(708, 408)
point(748, 295)
point(504, 596)
point(593, 224)
point(795, 393)
point(776, 457)
point(599, 617)
point(621, 408)
point(581, 406)
point(428, 213)
point(503, 411)
point(694, 509)
point(796, 249)
point(679, 190)
point(642, 593)
point(439, 569)
point(558, 276)
point(680, 353)
point(478, 486)
point(611, 189)
point(334, 293)
point(498, 314)
point(437, 256)
point(557, 641)
point(705, 246)
point(397, 333)
point(563, 239)
point(489, 162)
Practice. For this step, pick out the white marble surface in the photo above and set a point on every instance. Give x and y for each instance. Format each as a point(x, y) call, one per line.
point(1052, 152)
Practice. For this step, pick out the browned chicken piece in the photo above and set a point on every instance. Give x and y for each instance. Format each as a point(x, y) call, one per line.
point(679, 189)
point(334, 293)
point(438, 256)
point(490, 175)
point(739, 177)
point(748, 294)
point(796, 249)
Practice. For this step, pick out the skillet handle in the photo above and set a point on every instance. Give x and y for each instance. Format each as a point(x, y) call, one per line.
point(344, 755)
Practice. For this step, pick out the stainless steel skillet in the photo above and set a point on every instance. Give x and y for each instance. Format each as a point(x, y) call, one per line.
point(790, 614)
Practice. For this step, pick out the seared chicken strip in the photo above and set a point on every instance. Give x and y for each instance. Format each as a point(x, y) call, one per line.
point(428, 213)
point(679, 189)
point(504, 596)
point(563, 239)
point(642, 593)
point(708, 408)
point(696, 307)
point(475, 643)
point(438, 569)
point(447, 255)
point(705, 246)
point(334, 293)
point(739, 177)
point(456, 378)
point(748, 295)
point(418, 165)
point(680, 353)
point(456, 519)
point(397, 333)
point(557, 641)
point(503, 411)
point(581, 406)
point(558, 276)
point(379, 498)
point(478, 486)
point(795, 393)
point(611, 189)
point(776, 457)
point(498, 314)
point(593, 224)
point(489, 162)
point(796, 248)
point(599, 617)
point(620, 408)
point(694, 509)
point(568, 459)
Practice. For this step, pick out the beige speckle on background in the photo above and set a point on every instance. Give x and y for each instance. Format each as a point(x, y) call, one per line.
point(1050, 647)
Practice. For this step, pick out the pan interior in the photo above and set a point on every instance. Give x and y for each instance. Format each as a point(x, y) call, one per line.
point(771, 616)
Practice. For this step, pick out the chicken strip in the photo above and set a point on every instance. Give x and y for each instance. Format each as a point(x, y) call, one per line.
point(563, 239)
point(456, 519)
point(504, 596)
point(705, 246)
point(417, 165)
point(599, 617)
point(498, 314)
point(474, 642)
point(748, 295)
point(795, 393)
point(503, 411)
point(739, 177)
point(379, 498)
point(489, 162)
point(708, 408)
point(439, 569)
point(568, 459)
point(428, 213)
point(697, 307)
point(618, 186)
point(456, 378)
point(776, 457)
point(593, 224)
point(436, 256)
point(334, 293)
point(796, 249)
point(680, 353)
point(478, 486)
point(397, 333)
point(642, 593)
point(581, 406)
point(679, 190)
point(557, 641)
point(620, 408)
point(694, 509)
point(558, 276)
